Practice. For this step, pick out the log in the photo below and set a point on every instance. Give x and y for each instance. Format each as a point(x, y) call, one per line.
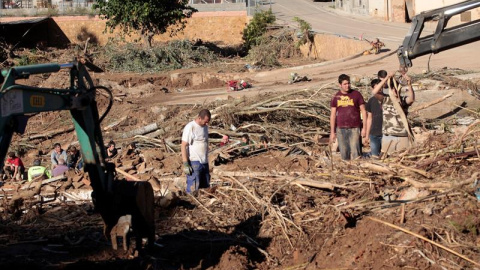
point(51, 133)
point(114, 123)
point(442, 185)
point(377, 168)
point(44, 182)
point(139, 131)
point(310, 183)
point(220, 172)
point(429, 104)
point(19, 196)
point(129, 176)
point(421, 172)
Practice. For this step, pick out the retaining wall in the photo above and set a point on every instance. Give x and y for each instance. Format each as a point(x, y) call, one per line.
point(330, 47)
point(224, 27)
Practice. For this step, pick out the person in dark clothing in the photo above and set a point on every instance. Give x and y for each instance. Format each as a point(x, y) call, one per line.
point(111, 150)
point(374, 121)
point(74, 158)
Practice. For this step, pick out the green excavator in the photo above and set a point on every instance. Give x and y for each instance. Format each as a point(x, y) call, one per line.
point(112, 198)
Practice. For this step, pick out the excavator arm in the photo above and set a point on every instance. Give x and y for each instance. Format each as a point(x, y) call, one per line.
point(112, 198)
point(19, 102)
point(444, 38)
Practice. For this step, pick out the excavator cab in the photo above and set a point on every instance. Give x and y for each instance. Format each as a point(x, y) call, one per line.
point(112, 198)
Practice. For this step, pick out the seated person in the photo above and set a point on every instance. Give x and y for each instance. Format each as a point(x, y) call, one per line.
point(74, 158)
point(225, 140)
point(38, 172)
point(246, 142)
point(131, 149)
point(264, 142)
point(60, 169)
point(111, 150)
point(57, 153)
point(14, 168)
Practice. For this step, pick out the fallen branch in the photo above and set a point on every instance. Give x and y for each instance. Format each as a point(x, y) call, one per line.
point(442, 184)
point(425, 239)
point(140, 131)
point(51, 134)
point(377, 168)
point(115, 123)
point(324, 185)
point(129, 176)
point(429, 104)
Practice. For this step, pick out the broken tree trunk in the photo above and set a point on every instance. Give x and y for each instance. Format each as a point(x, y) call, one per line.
point(129, 176)
point(442, 185)
point(436, 101)
point(18, 197)
point(377, 168)
point(51, 133)
point(114, 123)
point(140, 131)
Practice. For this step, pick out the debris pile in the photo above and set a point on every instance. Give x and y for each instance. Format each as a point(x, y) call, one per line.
point(292, 205)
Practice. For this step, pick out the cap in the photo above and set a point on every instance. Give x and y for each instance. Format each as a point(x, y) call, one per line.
point(36, 162)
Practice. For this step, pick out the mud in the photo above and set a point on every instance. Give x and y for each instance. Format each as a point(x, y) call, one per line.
point(258, 219)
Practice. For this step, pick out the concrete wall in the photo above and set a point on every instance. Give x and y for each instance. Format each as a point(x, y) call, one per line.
point(221, 7)
point(376, 8)
point(330, 47)
point(421, 6)
point(394, 10)
point(397, 11)
point(353, 6)
point(219, 27)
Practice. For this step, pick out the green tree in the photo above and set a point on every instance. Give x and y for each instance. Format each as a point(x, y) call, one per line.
point(257, 27)
point(306, 36)
point(146, 17)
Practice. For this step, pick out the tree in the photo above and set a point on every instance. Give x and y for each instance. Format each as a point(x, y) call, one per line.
point(147, 17)
point(257, 27)
point(306, 36)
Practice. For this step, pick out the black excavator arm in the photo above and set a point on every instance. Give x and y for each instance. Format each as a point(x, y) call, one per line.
point(444, 38)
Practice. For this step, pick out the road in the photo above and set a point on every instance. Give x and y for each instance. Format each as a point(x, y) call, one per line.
point(324, 19)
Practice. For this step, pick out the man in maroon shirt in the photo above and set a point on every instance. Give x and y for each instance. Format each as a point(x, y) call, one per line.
point(345, 122)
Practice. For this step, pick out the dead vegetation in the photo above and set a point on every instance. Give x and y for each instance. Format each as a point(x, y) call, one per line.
point(293, 206)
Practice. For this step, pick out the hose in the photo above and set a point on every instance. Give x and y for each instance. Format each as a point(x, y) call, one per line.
point(110, 103)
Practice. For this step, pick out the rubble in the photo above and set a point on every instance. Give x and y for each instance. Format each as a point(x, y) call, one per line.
point(295, 205)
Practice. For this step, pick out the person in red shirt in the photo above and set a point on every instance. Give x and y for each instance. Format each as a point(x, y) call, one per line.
point(14, 167)
point(225, 140)
point(347, 112)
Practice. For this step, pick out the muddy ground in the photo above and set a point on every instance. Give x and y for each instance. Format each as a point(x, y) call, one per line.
point(263, 211)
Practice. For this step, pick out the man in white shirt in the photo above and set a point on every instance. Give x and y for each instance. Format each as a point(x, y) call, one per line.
point(195, 152)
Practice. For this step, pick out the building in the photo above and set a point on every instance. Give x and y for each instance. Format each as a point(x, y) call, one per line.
point(402, 10)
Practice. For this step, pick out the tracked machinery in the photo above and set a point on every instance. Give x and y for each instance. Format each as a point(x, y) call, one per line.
point(112, 198)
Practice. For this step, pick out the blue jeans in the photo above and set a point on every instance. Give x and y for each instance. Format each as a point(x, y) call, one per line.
point(349, 143)
point(375, 145)
point(200, 178)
